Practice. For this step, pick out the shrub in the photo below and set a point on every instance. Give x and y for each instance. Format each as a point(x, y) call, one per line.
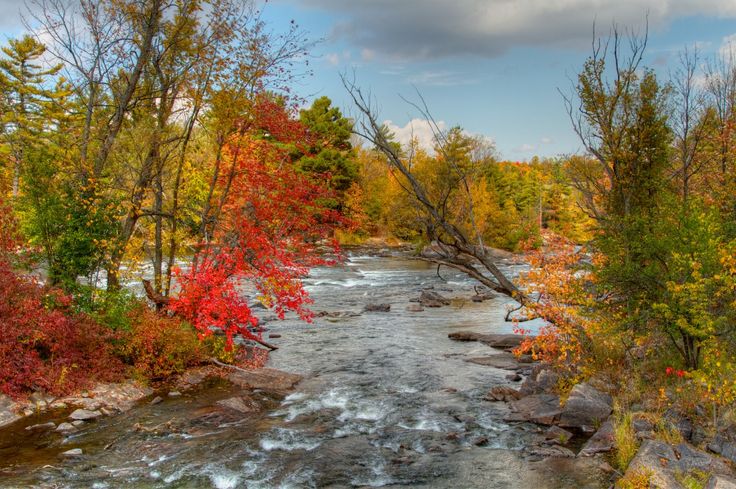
point(46, 346)
point(158, 346)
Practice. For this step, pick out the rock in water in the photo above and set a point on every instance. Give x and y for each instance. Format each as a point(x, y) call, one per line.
point(429, 298)
point(84, 415)
point(414, 308)
point(266, 379)
point(74, 452)
point(585, 408)
point(539, 408)
point(377, 307)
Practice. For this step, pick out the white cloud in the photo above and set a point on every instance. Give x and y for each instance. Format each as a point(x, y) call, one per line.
point(525, 148)
point(332, 58)
point(419, 129)
point(546, 140)
point(440, 79)
point(438, 28)
point(367, 54)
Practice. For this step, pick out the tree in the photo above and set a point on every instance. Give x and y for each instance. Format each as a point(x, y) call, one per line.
point(268, 232)
point(331, 152)
point(29, 104)
point(456, 248)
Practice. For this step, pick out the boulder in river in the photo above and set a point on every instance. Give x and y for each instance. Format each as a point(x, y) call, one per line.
point(377, 307)
point(430, 298)
point(502, 360)
point(538, 408)
point(586, 407)
point(502, 341)
point(266, 379)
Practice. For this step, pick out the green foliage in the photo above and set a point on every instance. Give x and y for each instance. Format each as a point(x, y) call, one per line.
point(330, 151)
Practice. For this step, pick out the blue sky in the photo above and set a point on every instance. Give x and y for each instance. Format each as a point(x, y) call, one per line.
point(494, 67)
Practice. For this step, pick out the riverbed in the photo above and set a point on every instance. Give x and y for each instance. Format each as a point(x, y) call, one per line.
point(387, 400)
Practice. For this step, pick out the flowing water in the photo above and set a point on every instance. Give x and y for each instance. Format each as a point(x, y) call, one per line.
point(387, 401)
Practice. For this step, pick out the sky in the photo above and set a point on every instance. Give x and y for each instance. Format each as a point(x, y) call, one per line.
point(494, 67)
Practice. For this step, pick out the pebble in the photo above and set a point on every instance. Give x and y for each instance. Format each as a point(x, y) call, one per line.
point(174, 394)
point(74, 452)
point(156, 400)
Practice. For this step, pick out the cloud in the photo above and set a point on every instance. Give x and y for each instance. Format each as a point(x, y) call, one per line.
point(546, 140)
point(419, 129)
point(440, 79)
point(525, 148)
point(427, 29)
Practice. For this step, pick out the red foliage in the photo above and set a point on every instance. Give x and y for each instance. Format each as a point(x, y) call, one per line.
point(43, 345)
point(267, 235)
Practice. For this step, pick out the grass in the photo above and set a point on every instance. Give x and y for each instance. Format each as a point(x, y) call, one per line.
point(626, 442)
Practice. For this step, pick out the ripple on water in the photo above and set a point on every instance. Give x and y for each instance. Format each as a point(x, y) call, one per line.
point(287, 440)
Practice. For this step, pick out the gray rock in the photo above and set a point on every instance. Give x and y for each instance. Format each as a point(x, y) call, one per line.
point(557, 435)
point(724, 444)
point(374, 307)
point(586, 407)
point(84, 414)
point(537, 408)
point(602, 441)
point(720, 482)
point(541, 380)
point(665, 463)
point(266, 379)
point(515, 377)
point(77, 423)
point(156, 400)
point(502, 341)
point(74, 452)
point(174, 394)
point(65, 428)
point(429, 298)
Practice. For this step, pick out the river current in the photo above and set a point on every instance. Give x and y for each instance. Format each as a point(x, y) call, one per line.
point(387, 400)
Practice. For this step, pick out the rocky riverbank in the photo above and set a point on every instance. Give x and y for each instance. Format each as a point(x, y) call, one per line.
point(581, 426)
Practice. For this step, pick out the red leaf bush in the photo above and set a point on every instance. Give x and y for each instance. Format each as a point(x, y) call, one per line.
point(46, 346)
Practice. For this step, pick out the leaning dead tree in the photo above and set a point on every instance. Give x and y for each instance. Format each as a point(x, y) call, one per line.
point(456, 248)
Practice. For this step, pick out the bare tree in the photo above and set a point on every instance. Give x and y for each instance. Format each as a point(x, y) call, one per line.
point(455, 249)
point(689, 122)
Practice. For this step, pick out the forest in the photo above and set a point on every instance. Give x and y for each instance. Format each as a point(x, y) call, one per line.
point(165, 137)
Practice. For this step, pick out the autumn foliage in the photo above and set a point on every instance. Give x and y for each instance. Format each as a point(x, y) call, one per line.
point(274, 225)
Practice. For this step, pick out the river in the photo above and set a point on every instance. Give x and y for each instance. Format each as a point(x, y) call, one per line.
point(387, 401)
